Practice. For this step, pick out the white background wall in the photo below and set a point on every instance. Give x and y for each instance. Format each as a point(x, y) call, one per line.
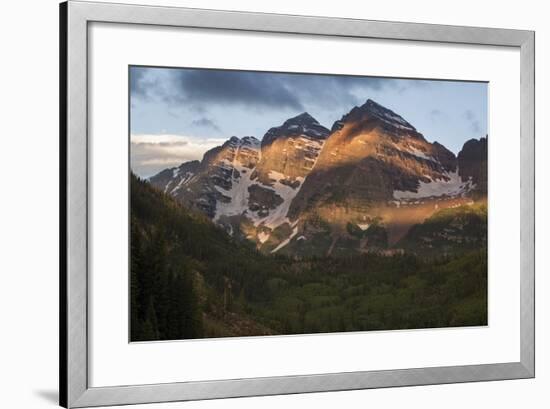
point(29, 202)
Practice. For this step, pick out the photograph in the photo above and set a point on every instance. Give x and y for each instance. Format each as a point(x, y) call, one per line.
point(277, 203)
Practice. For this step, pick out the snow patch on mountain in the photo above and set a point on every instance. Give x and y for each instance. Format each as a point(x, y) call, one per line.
point(238, 195)
point(454, 186)
point(419, 154)
point(277, 216)
point(286, 241)
point(183, 181)
point(263, 236)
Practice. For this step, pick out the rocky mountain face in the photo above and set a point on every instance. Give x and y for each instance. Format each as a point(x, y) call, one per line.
point(205, 185)
point(306, 190)
point(173, 179)
point(472, 163)
point(291, 150)
point(372, 153)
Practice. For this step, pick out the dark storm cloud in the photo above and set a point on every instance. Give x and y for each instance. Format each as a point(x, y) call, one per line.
point(331, 91)
point(213, 86)
point(474, 123)
point(197, 89)
point(205, 123)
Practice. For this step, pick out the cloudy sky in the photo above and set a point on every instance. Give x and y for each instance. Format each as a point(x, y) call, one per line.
point(177, 114)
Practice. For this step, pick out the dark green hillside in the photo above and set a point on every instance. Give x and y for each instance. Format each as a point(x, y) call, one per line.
point(449, 231)
point(189, 279)
point(172, 252)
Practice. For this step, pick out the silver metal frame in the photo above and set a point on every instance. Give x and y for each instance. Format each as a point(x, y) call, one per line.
point(74, 388)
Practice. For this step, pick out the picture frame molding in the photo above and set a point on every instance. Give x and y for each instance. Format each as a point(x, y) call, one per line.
point(75, 16)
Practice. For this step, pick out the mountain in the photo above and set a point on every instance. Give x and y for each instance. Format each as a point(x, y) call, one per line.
point(307, 190)
point(373, 155)
point(173, 179)
point(375, 168)
point(246, 186)
point(212, 183)
point(291, 150)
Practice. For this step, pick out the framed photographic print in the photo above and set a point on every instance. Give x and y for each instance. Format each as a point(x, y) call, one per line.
point(256, 204)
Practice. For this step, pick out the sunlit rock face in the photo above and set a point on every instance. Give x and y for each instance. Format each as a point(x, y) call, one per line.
point(291, 149)
point(305, 190)
point(375, 169)
point(371, 153)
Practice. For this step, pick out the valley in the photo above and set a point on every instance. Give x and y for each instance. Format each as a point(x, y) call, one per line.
point(190, 279)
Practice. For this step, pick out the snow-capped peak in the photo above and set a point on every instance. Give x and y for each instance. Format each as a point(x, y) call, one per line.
point(374, 109)
point(303, 124)
point(386, 115)
point(303, 119)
